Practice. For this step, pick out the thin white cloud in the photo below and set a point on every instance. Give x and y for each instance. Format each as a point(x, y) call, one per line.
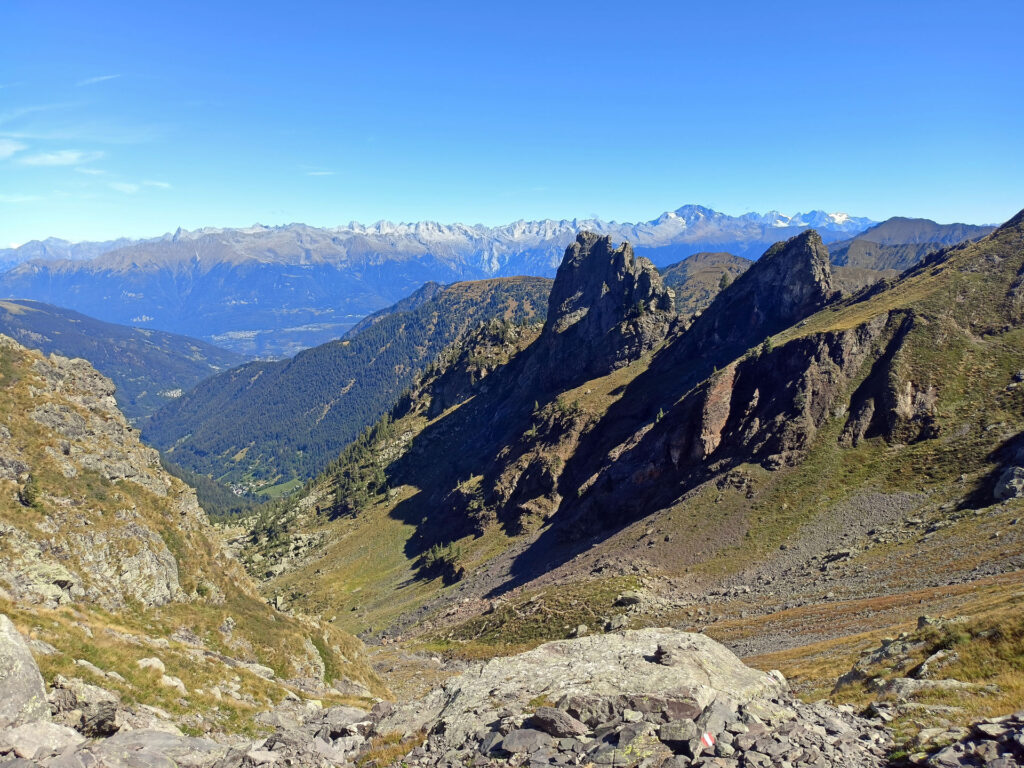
point(12, 199)
point(91, 171)
point(8, 147)
point(19, 112)
point(157, 184)
point(98, 132)
point(60, 157)
point(123, 186)
point(94, 80)
point(319, 173)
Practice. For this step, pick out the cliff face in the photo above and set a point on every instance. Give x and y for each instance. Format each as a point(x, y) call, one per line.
point(88, 511)
point(707, 400)
point(606, 310)
point(764, 408)
point(90, 523)
point(789, 282)
point(606, 307)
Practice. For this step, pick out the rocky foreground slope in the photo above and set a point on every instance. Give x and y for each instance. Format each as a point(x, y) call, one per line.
point(112, 570)
point(656, 698)
point(651, 698)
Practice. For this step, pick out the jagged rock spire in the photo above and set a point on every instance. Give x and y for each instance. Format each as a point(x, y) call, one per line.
point(606, 308)
point(800, 271)
point(598, 286)
point(792, 280)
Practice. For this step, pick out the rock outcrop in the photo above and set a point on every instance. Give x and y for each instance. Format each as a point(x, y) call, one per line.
point(791, 281)
point(70, 446)
point(992, 743)
point(1009, 484)
point(653, 697)
point(22, 695)
point(607, 307)
point(91, 524)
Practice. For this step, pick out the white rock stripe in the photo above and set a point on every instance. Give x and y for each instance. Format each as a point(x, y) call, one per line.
point(707, 740)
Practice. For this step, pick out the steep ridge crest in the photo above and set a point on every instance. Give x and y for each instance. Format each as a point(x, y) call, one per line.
point(606, 307)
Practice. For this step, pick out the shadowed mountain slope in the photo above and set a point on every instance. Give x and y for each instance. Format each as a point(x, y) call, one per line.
point(271, 422)
point(784, 425)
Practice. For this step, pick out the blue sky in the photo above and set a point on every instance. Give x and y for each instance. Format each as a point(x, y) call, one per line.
point(134, 118)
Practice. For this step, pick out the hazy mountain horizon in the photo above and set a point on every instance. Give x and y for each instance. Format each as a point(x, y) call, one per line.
point(51, 248)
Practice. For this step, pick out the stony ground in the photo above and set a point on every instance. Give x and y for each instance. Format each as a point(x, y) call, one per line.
point(652, 697)
point(655, 697)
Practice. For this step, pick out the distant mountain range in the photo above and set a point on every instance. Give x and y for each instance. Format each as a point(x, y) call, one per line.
point(273, 422)
point(271, 291)
point(149, 368)
point(53, 248)
point(899, 243)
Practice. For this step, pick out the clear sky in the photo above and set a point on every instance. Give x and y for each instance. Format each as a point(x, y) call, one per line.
point(132, 118)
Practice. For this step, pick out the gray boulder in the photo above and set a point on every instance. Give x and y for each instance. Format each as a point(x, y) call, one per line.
point(655, 697)
point(22, 694)
point(525, 740)
point(87, 708)
point(996, 743)
point(1010, 484)
point(907, 687)
point(557, 723)
point(598, 671)
point(158, 748)
point(39, 739)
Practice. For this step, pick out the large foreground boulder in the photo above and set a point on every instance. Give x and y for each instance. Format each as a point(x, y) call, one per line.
point(650, 698)
point(22, 694)
point(692, 673)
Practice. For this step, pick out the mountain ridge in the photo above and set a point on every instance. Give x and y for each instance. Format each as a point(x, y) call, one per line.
point(899, 243)
point(270, 291)
point(785, 451)
point(148, 367)
point(300, 412)
point(697, 280)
